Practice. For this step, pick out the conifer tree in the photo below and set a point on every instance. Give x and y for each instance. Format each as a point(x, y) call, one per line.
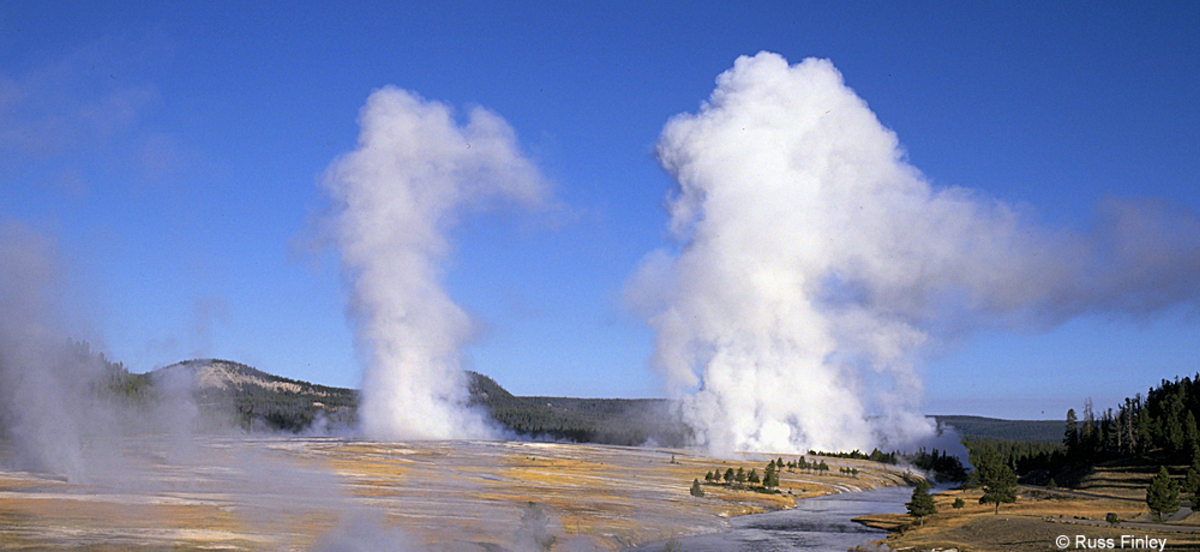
point(1191, 483)
point(1163, 495)
point(999, 483)
point(922, 503)
point(696, 490)
point(771, 476)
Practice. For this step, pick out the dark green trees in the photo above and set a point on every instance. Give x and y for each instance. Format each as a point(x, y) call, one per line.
point(696, 490)
point(1163, 495)
point(1071, 432)
point(771, 475)
point(999, 481)
point(922, 503)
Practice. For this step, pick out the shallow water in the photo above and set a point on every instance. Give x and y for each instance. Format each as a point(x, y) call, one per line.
point(819, 524)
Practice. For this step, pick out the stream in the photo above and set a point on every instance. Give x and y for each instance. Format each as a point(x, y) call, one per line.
point(820, 524)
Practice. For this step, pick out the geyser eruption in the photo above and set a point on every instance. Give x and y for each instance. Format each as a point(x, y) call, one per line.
point(814, 263)
point(398, 194)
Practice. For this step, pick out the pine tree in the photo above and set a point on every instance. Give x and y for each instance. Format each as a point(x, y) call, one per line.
point(696, 490)
point(740, 476)
point(999, 483)
point(771, 476)
point(1163, 495)
point(922, 503)
point(753, 477)
point(1191, 483)
point(729, 475)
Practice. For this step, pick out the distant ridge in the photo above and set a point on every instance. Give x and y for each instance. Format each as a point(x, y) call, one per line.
point(979, 427)
point(258, 400)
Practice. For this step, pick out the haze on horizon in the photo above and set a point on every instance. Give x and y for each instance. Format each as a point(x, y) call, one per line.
point(1031, 214)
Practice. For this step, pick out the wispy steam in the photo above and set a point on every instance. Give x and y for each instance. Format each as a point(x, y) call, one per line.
point(815, 263)
point(398, 194)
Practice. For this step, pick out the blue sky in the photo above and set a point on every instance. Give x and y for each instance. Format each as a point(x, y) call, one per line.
point(173, 154)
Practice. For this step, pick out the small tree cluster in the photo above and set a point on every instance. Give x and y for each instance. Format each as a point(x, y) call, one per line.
point(768, 480)
point(848, 471)
point(771, 474)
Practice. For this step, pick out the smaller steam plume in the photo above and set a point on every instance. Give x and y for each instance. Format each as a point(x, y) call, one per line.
point(815, 265)
point(398, 195)
point(64, 408)
point(44, 378)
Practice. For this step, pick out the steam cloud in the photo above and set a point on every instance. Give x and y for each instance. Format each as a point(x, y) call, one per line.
point(398, 195)
point(815, 264)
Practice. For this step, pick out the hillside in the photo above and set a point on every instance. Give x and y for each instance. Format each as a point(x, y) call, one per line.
point(992, 429)
point(257, 400)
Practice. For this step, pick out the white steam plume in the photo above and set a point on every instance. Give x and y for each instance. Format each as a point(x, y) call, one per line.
point(398, 194)
point(815, 263)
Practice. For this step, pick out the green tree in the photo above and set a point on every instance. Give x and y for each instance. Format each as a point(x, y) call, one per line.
point(999, 482)
point(922, 503)
point(958, 503)
point(740, 476)
point(1191, 482)
point(771, 475)
point(1071, 432)
point(1163, 495)
point(729, 475)
point(696, 490)
point(1051, 484)
point(753, 477)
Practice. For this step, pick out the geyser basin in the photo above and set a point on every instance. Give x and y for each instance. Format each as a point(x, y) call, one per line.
point(286, 493)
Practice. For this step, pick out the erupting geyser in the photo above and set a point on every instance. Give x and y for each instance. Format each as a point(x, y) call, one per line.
point(414, 172)
point(814, 263)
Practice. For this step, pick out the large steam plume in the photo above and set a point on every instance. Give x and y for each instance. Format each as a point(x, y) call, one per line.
point(815, 263)
point(398, 195)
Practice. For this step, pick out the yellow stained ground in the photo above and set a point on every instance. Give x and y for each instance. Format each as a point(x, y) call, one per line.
point(272, 494)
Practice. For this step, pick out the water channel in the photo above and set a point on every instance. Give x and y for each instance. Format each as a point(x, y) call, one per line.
point(819, 524)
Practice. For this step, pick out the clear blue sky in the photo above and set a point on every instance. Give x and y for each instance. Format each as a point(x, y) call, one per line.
point(173, 151)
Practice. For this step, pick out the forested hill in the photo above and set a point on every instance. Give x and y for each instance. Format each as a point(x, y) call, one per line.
point(255, 399)
point(609, 421)
point(992, 429)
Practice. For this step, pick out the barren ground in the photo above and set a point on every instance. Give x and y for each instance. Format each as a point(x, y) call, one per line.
point(297, 494)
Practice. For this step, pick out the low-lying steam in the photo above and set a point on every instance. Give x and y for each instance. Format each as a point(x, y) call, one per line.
point(415, 171)
point(814, 264)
